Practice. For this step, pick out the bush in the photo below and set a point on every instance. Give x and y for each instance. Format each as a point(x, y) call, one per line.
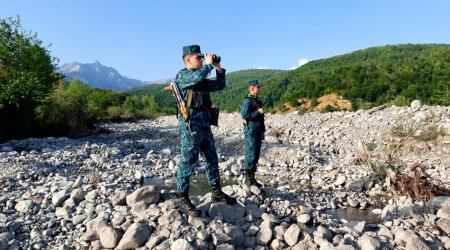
point(328, 108)
point(26, 79)
point(114, 112)
point(401, 101)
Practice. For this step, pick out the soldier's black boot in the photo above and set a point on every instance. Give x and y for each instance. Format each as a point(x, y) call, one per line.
point(187, 207)
point(247, 178)
point(253, 180)
point(219, 196)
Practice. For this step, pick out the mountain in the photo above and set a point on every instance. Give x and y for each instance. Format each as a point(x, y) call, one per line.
point(236, 87)
point(395, 74)
point(162, 81)
point(98, 76)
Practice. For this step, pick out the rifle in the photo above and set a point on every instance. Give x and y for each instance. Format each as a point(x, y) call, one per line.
point(181, 104)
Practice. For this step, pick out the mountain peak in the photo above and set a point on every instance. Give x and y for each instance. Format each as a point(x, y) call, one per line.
point(98, 76)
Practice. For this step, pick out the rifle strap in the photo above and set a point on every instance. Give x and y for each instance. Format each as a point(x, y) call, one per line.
point(188, 103)
point(189, 100)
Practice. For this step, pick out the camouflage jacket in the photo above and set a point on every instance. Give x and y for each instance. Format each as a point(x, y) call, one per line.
point(249, 112)
point(197, 80)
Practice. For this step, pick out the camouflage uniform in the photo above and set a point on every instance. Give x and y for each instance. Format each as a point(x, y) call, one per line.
point(253, 130)
point(196, 135)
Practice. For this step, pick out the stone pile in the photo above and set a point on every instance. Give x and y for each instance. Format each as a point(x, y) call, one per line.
point(90, 193)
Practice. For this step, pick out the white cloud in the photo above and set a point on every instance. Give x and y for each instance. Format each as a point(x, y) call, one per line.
point(262, 68)
point(301, 62)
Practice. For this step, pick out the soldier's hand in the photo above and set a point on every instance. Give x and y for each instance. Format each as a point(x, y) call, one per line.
point(217, 65)
point(167, 88)
point(208, 58)
point(261, 110)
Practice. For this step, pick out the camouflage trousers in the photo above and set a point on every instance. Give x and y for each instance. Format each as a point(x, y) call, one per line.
point(198, 140)
point(253, 143)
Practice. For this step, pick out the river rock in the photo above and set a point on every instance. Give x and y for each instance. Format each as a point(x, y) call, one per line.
point(181, 244)
point(264, 234)
point(148, 194)
point(227, 212)
point(444, 225)
point(59, 197)
point(303, 218)
point(220, 238)
point(292, 234)
point(236, 235)
point(24, 206)
point(367, 242)
point(109, 236)
point(135, 236)
point(416, 105)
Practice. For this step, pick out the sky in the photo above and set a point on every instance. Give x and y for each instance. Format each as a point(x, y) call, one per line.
point(143, 39)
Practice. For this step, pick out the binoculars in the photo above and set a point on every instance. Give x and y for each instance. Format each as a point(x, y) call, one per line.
point(215, 58)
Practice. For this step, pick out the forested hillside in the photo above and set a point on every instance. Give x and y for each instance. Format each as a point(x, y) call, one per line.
point(370, 77)
point(229, 99)
point(236, 89)
point(163, 99)
point(394, 74)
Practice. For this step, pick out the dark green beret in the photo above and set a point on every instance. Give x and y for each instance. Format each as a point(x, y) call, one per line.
point(253, 83)
point(192, 49)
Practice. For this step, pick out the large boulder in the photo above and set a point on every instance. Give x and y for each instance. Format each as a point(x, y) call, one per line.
point(59, 197)
point(236, 235)
point(169, 217)
point(444, 225)
point(181, 244)
point(109, 236)
point(367, 242)
point(24, 206)
point(135, 236)
point(264, 235)
point(227, 212)
point(292, 234)
point(119, 198)
point(148, 194)
point(416, 105)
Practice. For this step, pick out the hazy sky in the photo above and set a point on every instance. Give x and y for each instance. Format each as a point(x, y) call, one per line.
point(142, 39)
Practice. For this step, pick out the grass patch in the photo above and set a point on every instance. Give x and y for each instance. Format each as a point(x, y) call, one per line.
point(431, 133)
point(428, 133)
point(381, 170)
point(371, 146)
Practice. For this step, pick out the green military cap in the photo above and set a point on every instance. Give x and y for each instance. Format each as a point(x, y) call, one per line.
point(192, 49)
point(253, 83)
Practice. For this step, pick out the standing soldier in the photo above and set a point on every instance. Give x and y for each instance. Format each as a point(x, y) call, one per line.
point(196, 135)
point(253, 114)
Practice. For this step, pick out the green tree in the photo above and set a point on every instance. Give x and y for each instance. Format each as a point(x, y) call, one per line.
point(26, 78)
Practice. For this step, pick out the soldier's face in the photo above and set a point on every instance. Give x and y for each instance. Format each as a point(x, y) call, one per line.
point(195, 62)
point(254, 90)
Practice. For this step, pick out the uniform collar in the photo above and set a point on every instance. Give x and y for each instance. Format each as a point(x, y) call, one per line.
point(252, 96)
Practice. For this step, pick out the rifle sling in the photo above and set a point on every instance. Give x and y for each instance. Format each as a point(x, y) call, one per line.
point(188, 104)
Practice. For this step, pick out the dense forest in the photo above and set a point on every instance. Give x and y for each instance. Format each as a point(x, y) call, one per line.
point(374, 76)
point(236, 90)
point(395, 74)
point(36, 101)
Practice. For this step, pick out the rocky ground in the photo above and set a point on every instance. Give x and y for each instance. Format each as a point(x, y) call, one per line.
point(90, 193)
